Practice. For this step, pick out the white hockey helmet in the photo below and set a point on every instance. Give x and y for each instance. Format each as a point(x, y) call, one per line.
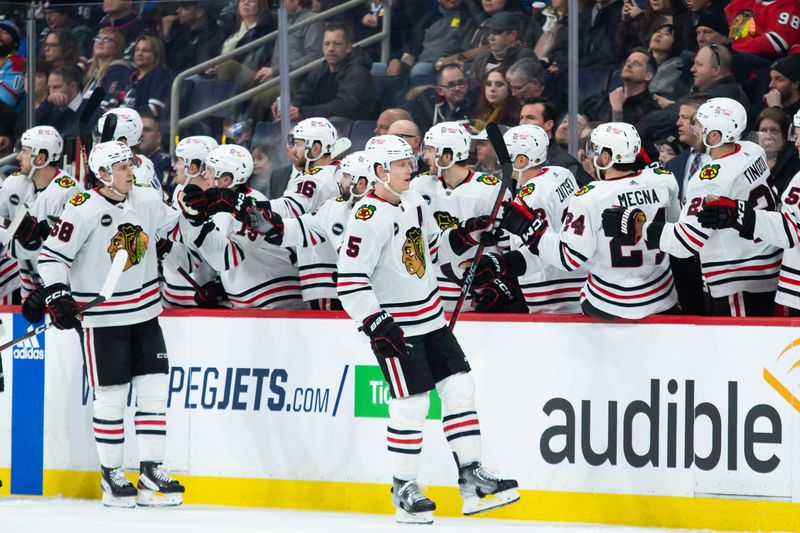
point(129, 125)
point(44, 138)
point(316, 129)
point(231, 159)
point(724, 115)
point(195, 148)
point(384, 149)
point(620, 138)
point(104, 155)
point(356, 166)
point(448, 135)
point(144, 173)
point(530, 141)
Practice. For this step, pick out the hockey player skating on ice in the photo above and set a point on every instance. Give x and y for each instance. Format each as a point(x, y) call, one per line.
point(387, 284)
point(121, 338)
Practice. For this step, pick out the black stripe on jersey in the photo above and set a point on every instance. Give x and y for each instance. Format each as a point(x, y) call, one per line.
point(552, 283)
point(320, 285)
point(763, 277)
point(177, 305)
point(534, 305)
point(783, 289)
point(665, 294)
point(740, 261)
point(343, 275)
point(345, 292)
point(696, 231)
point(303, 232)
point(790, 270)
point(411, 304)
point(153, 281)
point(186, 287)
point(7, 280)
point(62, 256)
point(664, 274)
point(788, 231)
point(281, 299)
point(685, 244)
point(317, 265)
point(156, 300)
point(420, 320)
point(295, 202)
point(234, 249)
point(265, 284)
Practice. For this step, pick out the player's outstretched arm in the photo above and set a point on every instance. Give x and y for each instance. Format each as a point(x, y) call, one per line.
point(776, 228)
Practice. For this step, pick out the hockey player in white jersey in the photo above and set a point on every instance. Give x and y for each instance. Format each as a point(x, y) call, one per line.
point(546, 191)
point(456, 193)
point(128, 131)
point(121, 338)
point(386, 284)
point(629, 278)
point(43, 189)
point(741, 276)
point(254, 273)
point(777, 228)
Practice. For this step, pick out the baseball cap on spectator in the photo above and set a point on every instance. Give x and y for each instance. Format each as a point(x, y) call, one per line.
point(788, 66)
point(503, 21)
point(715, 20)
point(11, 28)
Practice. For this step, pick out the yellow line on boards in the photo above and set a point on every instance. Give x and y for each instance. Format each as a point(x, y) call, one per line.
point(5, 477)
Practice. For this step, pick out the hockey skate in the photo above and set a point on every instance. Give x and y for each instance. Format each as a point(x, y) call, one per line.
point(117, 490)
point(156, 488)
point(413, 507)
point(483, 490)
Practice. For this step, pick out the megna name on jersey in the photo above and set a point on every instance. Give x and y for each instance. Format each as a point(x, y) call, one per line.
point(638, 197)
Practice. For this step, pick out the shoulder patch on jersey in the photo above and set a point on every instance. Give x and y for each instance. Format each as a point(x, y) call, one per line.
point(365, 212)
point(659, 170)
point(488, 179)
point(526, 190)
point(414, 253)
point(583, 190)
point(340, 199)
point(445, 220)
point(426, 173)
point(709, 172)
point(133, 240)
point(79, 198)
point(312, 171)
point(66, 182)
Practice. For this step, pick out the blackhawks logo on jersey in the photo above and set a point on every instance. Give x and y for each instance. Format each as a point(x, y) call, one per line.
point(488, 179)
point(526, 190)
point(583, 190)
point(742, 25)
point(659, 170)
point(709, 172)
point(79, 198)
point(365, 212)
point(133, 240)
point(445, 220)
point(414, 253)
point(312, 171)
point(66, 182)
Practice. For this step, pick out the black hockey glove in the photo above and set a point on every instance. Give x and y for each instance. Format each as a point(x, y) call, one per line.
point(473, 231)
point(491, 266)
point(721, 212)
point(528, 224)
point(163, 247)
point(385, 337)
point(502, 295)
point(194, 204)
point(32, 232)
point(211, 295)
point(265, 222)
point(223, 200)
point(62, 307)
point(624, 224)
point(33, 306)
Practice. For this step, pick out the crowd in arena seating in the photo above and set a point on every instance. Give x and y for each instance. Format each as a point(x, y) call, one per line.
point(649, 63)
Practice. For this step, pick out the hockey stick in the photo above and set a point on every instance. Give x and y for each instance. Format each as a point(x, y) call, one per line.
point(108, 128)
point(499, 145)
point(84, 141)
point(13, 226)
point(114, 273)
point(196, 286)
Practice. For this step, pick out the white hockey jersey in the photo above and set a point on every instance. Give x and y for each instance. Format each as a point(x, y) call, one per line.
point(548, 289)
point(46, 204)
point(386, 263)
point(83, 244)
point(255, 274)
point(473, 197)
point(624, 281)
point(729, 263)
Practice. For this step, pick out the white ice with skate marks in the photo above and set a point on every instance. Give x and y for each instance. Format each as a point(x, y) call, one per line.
point(46, 515)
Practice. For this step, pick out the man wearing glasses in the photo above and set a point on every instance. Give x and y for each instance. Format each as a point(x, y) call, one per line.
point(451, 100)
point(712, 73)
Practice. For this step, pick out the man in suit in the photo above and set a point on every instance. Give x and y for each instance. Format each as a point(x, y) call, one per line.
point(64, 103)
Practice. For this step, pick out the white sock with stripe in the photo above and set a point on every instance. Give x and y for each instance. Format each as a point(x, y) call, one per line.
point(107, 423)
point(151, 435)
point(404, 434)
point(459, 417)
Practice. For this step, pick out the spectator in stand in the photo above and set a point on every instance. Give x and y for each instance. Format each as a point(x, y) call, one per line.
point(712, 74)
point(772, 126)
point(64, 14)
point(40, 83)
point(505, 49)
point(598, 25)
point(253, 20)
point(697, 8)
point(189, 37)
point(389, 117)
point(149, 85)
point(261, 180)
point(638, 25)
point(108, 68)
point(485, 157)
point(784, 88)
point(711, 28)
point(478, 39)
point(552, 46)
point(632, 101)
point(669, 82)
point(409, 131)
point(668, 149)
point(12, 65)
point(436, 35)
point(150, 146)
point(451, 100)
point(766, 29)
point(540, 112)
point(120, 15)
point(496, 103)
point(341, 87)
point(60, 49)
point(562, 131)
point(526, 79)
point(64, 102)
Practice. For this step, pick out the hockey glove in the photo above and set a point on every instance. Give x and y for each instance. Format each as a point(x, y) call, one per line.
point(624, 224)
point(32, 232)
point(222, 200)
point(501, 296)
point(265, 222)
point(194, 204)
point(33, 306)
point(163, 248)
point(211, 295)
point(491, 266)
point(473, 231)
point(721, 212)
point(528, 224)
point(385, 337)
point(62, 307)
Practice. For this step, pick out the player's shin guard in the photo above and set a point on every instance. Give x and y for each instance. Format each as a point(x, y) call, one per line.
point(459, 418)
point(404, 442)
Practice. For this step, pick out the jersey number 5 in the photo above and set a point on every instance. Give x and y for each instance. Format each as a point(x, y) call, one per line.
point(353, 246)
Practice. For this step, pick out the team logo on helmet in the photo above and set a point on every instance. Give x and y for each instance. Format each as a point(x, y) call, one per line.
point(709, 172)
point(79, 198)
point(583, 190)
point(445, 220)
point(133, 240)
point(365, 212)
point(488, 179)
point(526, 190)
point(414, 253)
point(66, 182)
point(312, 171)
